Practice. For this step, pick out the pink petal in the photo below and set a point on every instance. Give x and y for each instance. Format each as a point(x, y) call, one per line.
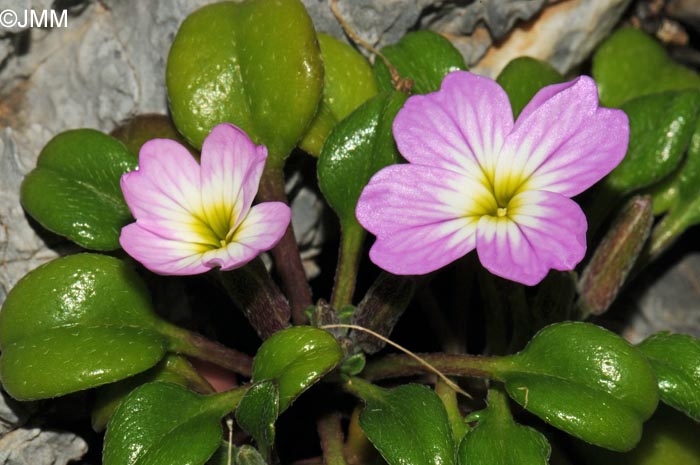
point(461, 127)
point(160, 255)
point(563, 142)
point(423, 217)
point(261, 230)
point(264, 225)
point(163, 194)
point(542, 231)
point(231, 169)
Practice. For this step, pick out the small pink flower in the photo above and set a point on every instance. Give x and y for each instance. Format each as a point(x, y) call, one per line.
point(478, 180)
point(191, 218)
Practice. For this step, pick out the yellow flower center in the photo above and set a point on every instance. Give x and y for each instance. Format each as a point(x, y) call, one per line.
point(499, 190)
point(215, 225)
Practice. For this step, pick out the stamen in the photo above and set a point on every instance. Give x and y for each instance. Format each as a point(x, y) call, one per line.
point(501, 211)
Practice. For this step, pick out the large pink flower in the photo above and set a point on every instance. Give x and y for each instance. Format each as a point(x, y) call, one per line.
point(478, 180)
point(191, 218)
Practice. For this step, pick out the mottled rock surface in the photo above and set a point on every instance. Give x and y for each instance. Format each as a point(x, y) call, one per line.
point(564, 34)
point(34, 446)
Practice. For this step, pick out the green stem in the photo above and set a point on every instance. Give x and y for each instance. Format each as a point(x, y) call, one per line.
point(498, 401)
point(331, 434)
point(195, 345)
point(448, 396)
point(195, 381)
point(401, 365)
point(362, 389)
point(227, 401)
point(286, 252)
point(351, 238)
point(253, 290)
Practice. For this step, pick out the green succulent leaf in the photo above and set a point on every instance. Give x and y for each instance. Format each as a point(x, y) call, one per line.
point(425, 57)
point(257, 414)
point(165, 424)
point(74, 190)
point(348, 82)
point(295, 359)
point(172, 369)
point(60, 361)
point(356, 149)
point(255, 64)
point(660, 128)
point(682, 195)
point(669, 438)
point(631, 63)
point(76, 323)
point(484, 445)
point(676, 360)
point(407, 424)
point(523, 77)
point(586, 381)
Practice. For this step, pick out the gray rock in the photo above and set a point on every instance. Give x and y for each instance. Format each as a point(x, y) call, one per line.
point(564, 34)
point(670, 303)
point(458, 18)
point(32, 446)
point(13, 414)
point(379, 22)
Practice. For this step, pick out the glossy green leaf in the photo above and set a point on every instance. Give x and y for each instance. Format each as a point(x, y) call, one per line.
point(523, 77)
point(64, 360)
point(296, 358)
point(172, 369)
point(407, 424)
point(484, 445)
point(255, 64)
point(631, 63)
point(669, 439)
point(683, 197)
point(356, 149)
point(257, 413)
point(586, 381)
point(676, 360)
point(425, 57)
point(74, 189)
point(75, 323)
point(165, 424)
point(85, 289)
point(660, 128)
point(348, 82)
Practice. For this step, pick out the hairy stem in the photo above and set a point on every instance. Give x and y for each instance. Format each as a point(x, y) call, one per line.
point(253, 290)
point(400, 365)
point(195, 345)
point(331, 434)
point(286, 252)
